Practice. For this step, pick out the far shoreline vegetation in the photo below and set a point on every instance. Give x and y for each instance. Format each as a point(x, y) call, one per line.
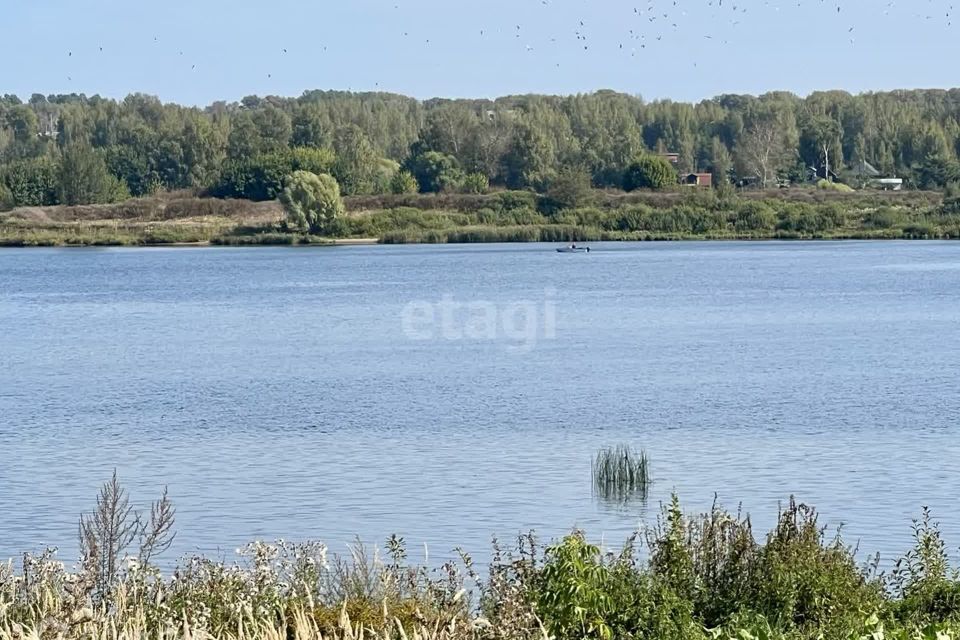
point(335, 167)
point(504, 216)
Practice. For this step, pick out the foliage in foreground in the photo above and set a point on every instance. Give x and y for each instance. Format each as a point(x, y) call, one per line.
point(701, 578)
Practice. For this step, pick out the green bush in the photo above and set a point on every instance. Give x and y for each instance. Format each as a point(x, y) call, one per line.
point(804, 581)
point(632, 218)
point(510, 200)
point(475, 183)
point(927, 589)
point(522, 216)
point(403, 182)
point(572, 594)
point(920, 231)
point(808, 220)
point(649, 172)
point(754, 216)
point(883, 218)
point(699, 577)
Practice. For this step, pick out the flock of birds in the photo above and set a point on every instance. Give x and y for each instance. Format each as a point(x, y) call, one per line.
point(657, 21)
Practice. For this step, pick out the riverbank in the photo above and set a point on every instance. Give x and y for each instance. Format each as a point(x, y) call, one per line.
point(699, 577)
point(507, 216)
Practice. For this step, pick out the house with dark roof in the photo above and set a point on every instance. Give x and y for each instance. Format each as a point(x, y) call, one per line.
point(697, 180)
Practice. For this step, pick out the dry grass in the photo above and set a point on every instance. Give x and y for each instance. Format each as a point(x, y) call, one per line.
point(277, 592)
point(156, 209)
point(111, 232)
point(177, 218)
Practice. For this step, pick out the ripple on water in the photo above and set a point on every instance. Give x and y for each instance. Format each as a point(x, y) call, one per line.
point(276, 393)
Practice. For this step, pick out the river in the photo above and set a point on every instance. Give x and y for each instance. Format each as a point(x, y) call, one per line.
point(450, 393)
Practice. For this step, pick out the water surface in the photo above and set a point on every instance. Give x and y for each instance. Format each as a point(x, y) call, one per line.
point(279, 393)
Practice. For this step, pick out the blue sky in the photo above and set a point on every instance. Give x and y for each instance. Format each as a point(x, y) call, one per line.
point(199, 51)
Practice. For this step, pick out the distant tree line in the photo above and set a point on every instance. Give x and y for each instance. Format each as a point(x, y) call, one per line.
point(75, 149)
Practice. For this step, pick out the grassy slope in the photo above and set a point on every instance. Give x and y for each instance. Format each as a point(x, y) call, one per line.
point(162, 220)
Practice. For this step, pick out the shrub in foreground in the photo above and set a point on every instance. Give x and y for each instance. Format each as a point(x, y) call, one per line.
point(688, 577)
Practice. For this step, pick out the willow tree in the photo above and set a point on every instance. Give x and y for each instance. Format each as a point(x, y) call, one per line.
point(312, 202)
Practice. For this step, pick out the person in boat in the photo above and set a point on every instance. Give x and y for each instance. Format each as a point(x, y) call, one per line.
point(573, 245)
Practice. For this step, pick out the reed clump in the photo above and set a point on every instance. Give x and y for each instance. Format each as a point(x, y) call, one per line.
point(621, 473)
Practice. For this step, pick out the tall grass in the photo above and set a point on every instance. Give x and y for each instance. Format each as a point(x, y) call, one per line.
point(621, 473)
point(704, 577)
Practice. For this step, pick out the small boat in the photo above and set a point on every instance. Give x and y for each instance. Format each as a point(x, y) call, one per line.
point(573, 250)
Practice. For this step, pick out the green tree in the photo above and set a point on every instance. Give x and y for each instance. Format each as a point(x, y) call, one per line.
point(571, 189)
point(607, 127)
point(435, 171)
point(356, 164)
point(203, 147)
point(24, 126)
point(404, 182)
point(244, 140)
point(822, 134)
point(83, 178)
point(521, 142)
point(721, 162)
point(530, 160)
point(23, 121)
point(649, 172)
point(761, 149)
point(314, 160)
point(132, 165)
point(312, 202)
point(32, 182)
point(169, 164)
point(262, 176)
point(6, 198)
point(938, 171)
point(274, 128)
point(383, 175)
point(310, 127)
